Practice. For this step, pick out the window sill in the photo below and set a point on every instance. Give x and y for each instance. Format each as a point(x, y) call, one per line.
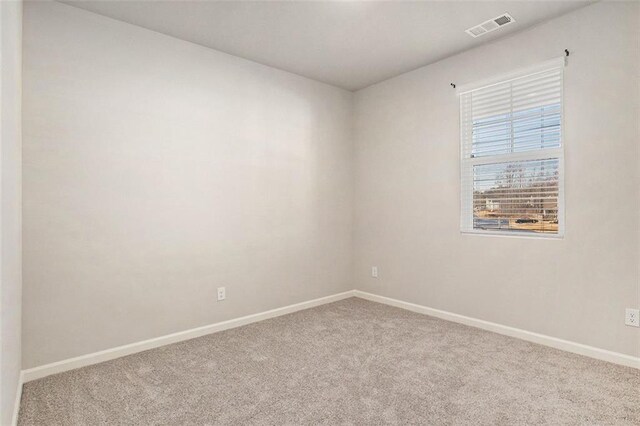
point(514, 234)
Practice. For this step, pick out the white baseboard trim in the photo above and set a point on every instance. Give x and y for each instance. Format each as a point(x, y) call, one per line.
point(565, 345)
point(120, 351)
point(16, 404)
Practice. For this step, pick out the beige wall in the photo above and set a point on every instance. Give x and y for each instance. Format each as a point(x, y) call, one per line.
point(10, 215)
point(156, 170)
point(407, 188)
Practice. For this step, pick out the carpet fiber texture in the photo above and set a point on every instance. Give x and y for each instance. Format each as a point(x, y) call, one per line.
point(349, 362)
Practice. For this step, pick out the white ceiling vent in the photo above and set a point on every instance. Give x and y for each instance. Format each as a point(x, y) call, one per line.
point(490, 25)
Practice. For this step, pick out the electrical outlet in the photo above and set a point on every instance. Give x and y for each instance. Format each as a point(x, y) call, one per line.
point(221, 293)
point(632, 317)
point(374, 271)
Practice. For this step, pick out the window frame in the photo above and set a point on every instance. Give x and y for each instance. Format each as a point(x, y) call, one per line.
point(467, 163)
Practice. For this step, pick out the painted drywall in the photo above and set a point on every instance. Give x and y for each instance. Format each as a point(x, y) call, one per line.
point(10, 214)
point(156, 170)
point(407, 190)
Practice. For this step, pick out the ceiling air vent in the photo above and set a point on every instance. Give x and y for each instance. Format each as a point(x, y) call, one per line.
point(490, 25)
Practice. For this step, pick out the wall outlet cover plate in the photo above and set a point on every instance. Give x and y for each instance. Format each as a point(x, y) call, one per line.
point(632, 317)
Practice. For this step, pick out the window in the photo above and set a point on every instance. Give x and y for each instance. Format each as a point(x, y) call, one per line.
point(512, 154)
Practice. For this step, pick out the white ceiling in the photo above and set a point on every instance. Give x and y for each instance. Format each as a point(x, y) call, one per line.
point(350, 44)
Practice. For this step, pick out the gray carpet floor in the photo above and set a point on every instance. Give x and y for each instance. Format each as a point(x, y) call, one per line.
point(349, 362)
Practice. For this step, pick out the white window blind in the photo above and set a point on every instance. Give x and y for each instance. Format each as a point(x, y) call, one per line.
point(512, 154)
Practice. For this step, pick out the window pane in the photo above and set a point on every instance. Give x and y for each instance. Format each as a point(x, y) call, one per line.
point(516, 196)
point(519, 131)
